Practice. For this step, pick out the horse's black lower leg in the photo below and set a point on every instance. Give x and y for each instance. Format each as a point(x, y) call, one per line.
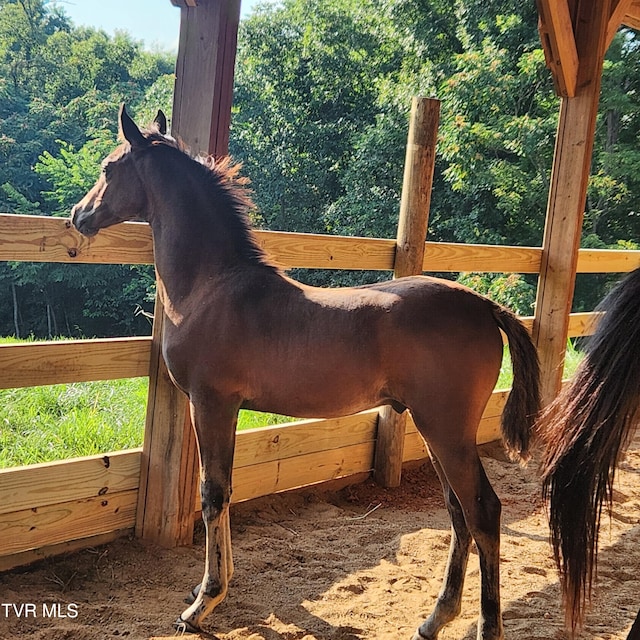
point(472, 494)
point(449, 600)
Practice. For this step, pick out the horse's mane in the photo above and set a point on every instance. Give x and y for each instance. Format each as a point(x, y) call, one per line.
point(223, 177)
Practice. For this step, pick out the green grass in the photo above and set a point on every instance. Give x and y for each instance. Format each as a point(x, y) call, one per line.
point(572, 359)
point(42, 424)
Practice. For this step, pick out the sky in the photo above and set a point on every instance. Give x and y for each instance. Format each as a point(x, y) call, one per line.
point(157, 22)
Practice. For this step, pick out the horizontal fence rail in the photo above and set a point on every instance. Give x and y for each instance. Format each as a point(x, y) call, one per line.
point(45, 239)
point(60, 506)
point(43, 506)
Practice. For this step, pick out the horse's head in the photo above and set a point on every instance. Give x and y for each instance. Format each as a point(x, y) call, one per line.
point(118, 194)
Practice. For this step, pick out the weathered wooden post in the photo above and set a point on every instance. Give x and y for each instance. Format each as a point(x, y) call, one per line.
point(201, 117)
point(412, 231)
point(578, 80)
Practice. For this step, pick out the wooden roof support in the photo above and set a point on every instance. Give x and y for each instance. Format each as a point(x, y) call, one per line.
point(567, 194)
point(558, 42)
point(632, 17)
point(619, 9)
point(201, 117)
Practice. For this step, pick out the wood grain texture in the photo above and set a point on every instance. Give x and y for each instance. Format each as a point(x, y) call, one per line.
point(632, 17)
point(453, 257)
point(561, 54)
point(38, 485)
point(54, 524)
point(265, 478)
point(567, 197)
point(30, 556)
point(44, 239)
point(32, 364)
point(279, 442)
point(620, 9)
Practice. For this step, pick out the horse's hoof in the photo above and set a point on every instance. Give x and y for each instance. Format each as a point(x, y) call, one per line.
point(182, 626)
point(191, 598)
point(418, 636)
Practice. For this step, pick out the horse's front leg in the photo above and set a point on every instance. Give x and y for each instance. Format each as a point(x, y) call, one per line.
point(214, 422)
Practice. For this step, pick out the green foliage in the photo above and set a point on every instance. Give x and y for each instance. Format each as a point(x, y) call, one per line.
point(72, 171)
point(41, 424)
point(60, 87)
point(512, 290)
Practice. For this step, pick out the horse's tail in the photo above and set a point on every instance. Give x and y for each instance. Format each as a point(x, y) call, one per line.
point(523, 403)
point(584, 432)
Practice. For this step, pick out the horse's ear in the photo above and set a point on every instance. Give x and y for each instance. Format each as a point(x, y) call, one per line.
point(129, 129)
point(161, 121)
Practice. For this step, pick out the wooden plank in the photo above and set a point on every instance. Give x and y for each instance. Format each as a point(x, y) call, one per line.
point(607, 261)
point(279, 442)
point(417, 184)
point(619, 9)
point(30, 556)
point(452, 257)
point(55, 524)
point(567, 197)
point(204, 75)
point(315, 251)
point(39, 485)
point(632, 18)
point(44, 239)
point(583, 324)
point(556, 32)
point(281, 475)
point(33, 364)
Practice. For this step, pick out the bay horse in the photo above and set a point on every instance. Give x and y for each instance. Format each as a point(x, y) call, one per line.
point(584, 432)
point(239, 333)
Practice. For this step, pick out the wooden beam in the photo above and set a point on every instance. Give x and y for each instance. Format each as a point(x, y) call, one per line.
point(619, 9)
point(559, 45)
point(33, 364)
point(567, 197)
point(40, 485)
point(632, 18)
point(410, 244)
point(58, 523)
point(201, 117)
point(204, 75)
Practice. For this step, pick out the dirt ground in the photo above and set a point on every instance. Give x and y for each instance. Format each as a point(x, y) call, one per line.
point(342, 564)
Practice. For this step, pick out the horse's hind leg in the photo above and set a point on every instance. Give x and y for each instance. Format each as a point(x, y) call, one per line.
point(215, 424)
point(481, 507)
point(450, 597)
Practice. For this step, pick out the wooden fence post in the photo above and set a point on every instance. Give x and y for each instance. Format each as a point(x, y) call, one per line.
point(567, 198)
point(410, 243)
point(201, 117)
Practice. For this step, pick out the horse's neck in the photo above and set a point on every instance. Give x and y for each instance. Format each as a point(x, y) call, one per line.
point(195, 236)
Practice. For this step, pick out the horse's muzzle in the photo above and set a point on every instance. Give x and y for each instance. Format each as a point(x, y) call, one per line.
point(81, 220)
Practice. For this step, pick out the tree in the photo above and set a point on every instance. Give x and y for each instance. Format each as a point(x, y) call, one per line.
point(60, 88)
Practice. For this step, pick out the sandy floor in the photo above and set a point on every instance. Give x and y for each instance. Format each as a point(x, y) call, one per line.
point(358, 562)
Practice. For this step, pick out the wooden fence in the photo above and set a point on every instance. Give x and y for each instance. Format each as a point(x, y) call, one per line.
point(53, 507)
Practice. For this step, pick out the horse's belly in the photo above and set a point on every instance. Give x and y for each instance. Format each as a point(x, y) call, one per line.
point(313, 397)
